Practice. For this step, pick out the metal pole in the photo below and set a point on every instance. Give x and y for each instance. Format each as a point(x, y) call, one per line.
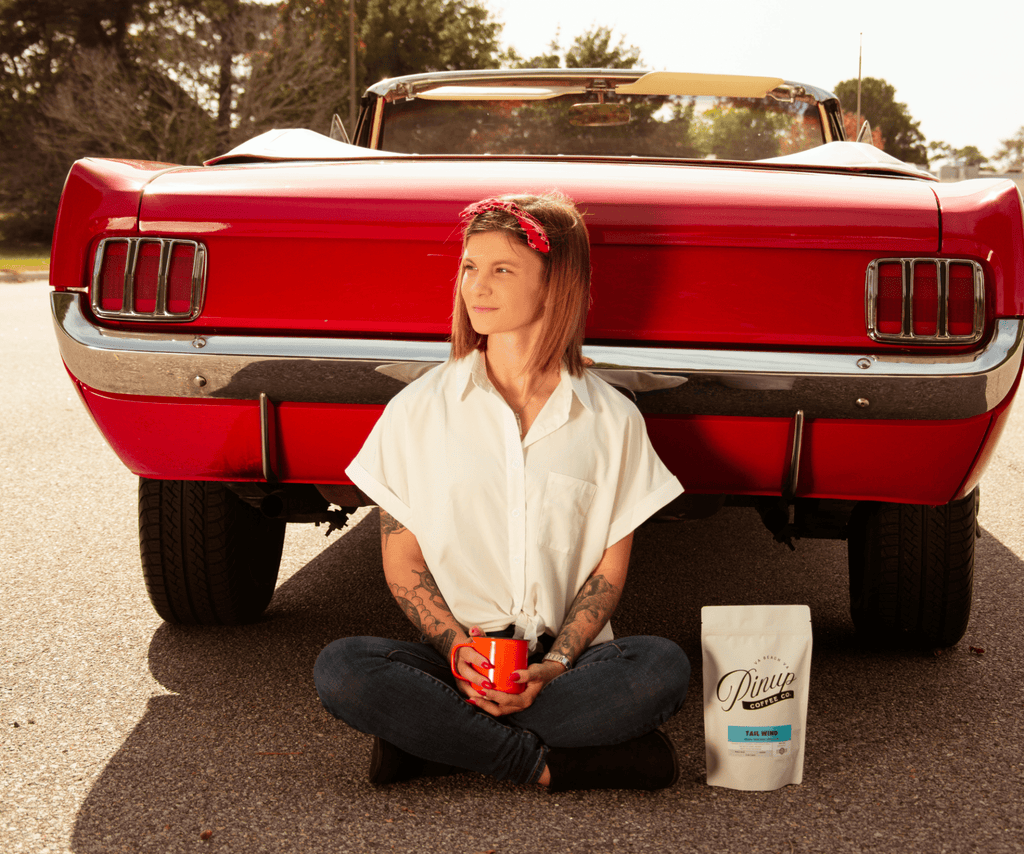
point(352, 69)
point(860, 58)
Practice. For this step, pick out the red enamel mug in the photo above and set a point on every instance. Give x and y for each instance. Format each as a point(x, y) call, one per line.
point(506, 656)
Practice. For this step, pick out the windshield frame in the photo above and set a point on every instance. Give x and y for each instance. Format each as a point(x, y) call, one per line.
point(540, 84)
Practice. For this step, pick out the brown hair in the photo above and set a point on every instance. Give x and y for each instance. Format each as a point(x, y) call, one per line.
point(566, 280)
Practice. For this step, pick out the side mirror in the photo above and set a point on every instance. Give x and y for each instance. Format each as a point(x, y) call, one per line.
point(598, 115)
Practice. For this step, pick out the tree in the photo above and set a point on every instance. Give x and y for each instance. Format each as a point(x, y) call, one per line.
point(969, 155)
point(247, 65)
point(590, 49)
point(396, 37)
point(732, 131)
point(901, 135)
point(1011, 151)
point(153, 80)
point(39, 42)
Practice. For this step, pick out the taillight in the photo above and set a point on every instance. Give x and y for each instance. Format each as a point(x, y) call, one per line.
point(109, 289)
point(925, 301)
point(149, 278)
point(962, 305)
point(889, 300)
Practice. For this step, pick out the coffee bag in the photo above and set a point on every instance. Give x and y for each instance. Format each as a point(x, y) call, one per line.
point(757, 667)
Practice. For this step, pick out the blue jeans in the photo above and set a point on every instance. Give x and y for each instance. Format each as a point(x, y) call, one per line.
point(405, 693)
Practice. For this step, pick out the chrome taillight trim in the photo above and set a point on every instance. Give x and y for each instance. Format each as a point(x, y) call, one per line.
point(160, 312)
point(906, 335)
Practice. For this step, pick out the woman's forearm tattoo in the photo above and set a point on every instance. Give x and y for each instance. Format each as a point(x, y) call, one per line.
point(591, 609)
point(426, 609)
point(423, 603)
point(429, 586)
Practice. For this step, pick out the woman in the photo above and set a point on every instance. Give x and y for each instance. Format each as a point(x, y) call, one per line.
point(510, 480)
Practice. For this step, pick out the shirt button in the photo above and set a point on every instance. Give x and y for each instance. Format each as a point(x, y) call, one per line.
point(516, 464)
point(515, 514)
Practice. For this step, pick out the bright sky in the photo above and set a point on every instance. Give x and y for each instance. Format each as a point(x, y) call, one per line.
point(956, 65)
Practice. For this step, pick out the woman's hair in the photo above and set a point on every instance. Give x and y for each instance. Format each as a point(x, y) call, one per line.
point(566, 277)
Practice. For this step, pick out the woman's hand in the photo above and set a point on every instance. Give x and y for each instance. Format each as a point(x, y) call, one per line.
point(464, 658)
point(482, 693)
point(535, 677)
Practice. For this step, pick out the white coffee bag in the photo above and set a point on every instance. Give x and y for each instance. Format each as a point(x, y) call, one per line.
point(757, 668)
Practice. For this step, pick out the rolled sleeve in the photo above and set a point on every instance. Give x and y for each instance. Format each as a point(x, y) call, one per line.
point(381, 495)
point(646, 485)
point(380, 470)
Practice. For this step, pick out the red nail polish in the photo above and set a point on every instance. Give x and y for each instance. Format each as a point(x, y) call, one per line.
point(489, 685)
point(471, 701)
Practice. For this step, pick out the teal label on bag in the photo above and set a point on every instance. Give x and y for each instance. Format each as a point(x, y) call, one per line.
point(761, 734)
point(764, 741)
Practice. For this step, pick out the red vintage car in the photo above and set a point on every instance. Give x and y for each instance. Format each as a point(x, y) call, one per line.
point(808, 325)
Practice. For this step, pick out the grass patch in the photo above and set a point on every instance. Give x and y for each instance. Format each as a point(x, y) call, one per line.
point(24, 256)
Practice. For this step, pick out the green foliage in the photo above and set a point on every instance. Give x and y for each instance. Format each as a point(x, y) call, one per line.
point(1011, 151)
point(396, 37)
point(24, 256)
point(969, 155)
point(590, 49)
point(742, 133)
point(181, 80)
point(593, 49)
point(901, 135)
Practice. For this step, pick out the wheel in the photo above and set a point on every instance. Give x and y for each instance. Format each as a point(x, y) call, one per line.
point(912, 570)
point(207, 556)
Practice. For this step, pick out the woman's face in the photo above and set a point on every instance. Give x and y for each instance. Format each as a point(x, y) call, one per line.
point(502, 285)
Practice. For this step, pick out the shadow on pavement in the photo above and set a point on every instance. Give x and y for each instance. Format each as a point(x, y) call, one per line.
point(242, 747)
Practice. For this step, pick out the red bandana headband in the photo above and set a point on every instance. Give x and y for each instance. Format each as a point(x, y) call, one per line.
point(536, 237)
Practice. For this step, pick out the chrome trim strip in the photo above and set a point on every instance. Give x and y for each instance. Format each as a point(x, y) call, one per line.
point(719, 382)
point(417, 82)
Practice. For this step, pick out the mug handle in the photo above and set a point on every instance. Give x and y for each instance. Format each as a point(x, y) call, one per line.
point(455, 673)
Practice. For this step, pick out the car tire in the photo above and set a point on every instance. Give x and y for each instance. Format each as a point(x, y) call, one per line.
point(912, 570)
point(208, 557)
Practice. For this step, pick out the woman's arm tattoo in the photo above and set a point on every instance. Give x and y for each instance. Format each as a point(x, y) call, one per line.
point(388, 525)
point(423, 603)
point(591, 609)
point(426, 609)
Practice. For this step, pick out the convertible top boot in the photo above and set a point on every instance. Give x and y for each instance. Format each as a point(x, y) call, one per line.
point(390, 764)
point(648, 762)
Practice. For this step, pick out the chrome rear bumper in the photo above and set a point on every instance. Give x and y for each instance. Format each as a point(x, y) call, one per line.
point(717, 382)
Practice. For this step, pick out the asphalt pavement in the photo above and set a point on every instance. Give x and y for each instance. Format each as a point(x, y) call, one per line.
point(119, 733)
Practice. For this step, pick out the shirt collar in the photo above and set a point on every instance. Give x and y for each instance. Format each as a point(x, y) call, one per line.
point(472, 369)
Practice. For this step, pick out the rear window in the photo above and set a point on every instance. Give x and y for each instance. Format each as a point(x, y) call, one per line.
point(674, 126)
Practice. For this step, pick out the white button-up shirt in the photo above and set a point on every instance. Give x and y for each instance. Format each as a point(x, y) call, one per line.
point(510, 527)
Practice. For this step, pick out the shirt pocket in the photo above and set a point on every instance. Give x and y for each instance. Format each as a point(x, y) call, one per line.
point(563, 511)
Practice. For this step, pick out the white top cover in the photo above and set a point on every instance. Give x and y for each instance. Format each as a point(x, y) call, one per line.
point(850, 155)
point(511, 529)
point(297, 144)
